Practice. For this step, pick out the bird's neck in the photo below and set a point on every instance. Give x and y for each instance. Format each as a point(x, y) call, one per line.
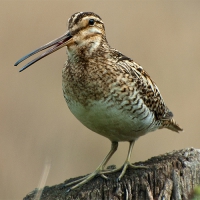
point(88, 48)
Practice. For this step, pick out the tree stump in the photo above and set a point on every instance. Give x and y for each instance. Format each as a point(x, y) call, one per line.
point(171, 176)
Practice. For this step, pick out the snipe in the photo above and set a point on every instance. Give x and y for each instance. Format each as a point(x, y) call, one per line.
point(107, 91)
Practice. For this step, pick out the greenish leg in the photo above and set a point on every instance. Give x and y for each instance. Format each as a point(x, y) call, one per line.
point(87, 178)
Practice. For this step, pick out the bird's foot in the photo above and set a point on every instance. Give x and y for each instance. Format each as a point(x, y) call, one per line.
point(85, 179)
point(98, 171)
point(126, 165)
point(101, 172)
point(123, 168)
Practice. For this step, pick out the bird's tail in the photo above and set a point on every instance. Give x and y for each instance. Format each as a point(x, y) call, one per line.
point(172, 125)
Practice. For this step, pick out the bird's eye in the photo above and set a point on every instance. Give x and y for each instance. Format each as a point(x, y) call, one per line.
point(91, 22)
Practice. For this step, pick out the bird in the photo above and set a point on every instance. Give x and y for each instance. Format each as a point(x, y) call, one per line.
point(106, 91)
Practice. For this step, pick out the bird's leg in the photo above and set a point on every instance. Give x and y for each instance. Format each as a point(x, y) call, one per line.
point(87, 178)
point(126, 164)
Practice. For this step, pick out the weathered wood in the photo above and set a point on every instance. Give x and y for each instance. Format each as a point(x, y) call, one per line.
point(171, 176)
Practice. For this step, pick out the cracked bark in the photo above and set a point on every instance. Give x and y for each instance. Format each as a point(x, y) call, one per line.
point(171, 176)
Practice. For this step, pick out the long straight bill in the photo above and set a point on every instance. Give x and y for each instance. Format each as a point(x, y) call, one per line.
point(57, 44)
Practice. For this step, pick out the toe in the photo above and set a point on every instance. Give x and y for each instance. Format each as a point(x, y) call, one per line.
point(138, 166)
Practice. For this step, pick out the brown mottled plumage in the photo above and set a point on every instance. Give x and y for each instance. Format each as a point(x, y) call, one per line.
point(107, 91)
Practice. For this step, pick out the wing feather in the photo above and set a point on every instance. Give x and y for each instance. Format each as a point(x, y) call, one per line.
point(146, 87)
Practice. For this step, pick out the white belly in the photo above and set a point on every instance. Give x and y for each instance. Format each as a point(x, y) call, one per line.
point(111, 122)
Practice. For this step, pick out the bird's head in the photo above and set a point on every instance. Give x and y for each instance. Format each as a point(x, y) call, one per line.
point(85, 34)
point(87, 30)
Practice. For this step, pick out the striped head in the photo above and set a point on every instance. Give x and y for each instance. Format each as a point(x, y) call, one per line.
point(88, 30)
point(85, 35)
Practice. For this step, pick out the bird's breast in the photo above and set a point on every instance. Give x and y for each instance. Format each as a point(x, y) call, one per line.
point(107, 119)
point(84, 84)
point(111, 107)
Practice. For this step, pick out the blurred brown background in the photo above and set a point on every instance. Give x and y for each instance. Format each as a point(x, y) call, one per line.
point(35, 123)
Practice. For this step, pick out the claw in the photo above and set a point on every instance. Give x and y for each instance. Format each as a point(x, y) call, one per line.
point(105, 177)
point(118, 180)
point(68, 190)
